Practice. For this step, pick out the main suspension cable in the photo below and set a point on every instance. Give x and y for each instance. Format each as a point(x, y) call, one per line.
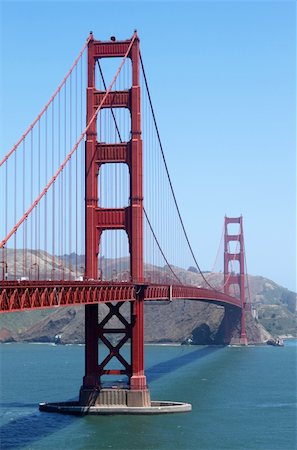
point(48, 103)
point(159, 246)
point(169, 179)
point(247, 277)
point(60, 169)
point(145, 213)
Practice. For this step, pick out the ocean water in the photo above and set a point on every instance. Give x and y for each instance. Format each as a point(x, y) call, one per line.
point(242, 398)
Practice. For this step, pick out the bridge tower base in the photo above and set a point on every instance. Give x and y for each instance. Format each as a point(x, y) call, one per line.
point(114, 397)
point(134, 392)
point(74, 408)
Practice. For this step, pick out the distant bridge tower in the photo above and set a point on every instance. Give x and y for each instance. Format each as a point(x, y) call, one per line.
point(237, 280)
point(129, 219)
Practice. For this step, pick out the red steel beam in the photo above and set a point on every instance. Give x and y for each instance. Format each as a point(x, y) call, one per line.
point(114, 99)
point(113, 153)
point(112, 218)
point(27, 295)
point(112, 49)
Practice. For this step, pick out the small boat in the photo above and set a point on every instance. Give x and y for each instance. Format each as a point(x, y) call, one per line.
point(278, 342)
point(57, 339)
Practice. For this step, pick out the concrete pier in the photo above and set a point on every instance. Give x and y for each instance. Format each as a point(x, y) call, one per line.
point(74, 408)
point(113, 397)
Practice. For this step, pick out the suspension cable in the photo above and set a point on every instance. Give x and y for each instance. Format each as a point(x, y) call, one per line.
point(60, 169)
point(112, 112)
point(48, 103)
point(146, 216)
point(169, 179)
point(159, 246)
point(218, 251)
point(247, 277)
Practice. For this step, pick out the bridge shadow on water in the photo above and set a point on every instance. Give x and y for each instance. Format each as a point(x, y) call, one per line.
point(28, 428)
point(159, 370)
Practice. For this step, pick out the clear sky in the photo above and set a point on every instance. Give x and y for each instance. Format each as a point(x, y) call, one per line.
point(222, 77)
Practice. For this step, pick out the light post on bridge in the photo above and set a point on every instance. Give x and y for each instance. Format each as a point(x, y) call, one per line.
point(53, 273)
point(4, 270)
point(99, 274)
point(63, 271)
point(126, 276)
point(35, 267)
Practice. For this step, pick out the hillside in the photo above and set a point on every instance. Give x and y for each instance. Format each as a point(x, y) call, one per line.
point(274, 309)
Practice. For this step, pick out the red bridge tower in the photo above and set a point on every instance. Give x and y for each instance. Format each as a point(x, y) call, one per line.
point(235, 279)
point(129, 219)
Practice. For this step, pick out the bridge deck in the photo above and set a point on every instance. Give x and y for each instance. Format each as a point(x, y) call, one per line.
point(26, 295)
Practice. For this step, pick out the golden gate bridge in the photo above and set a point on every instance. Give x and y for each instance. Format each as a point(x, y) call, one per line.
point(90, 178)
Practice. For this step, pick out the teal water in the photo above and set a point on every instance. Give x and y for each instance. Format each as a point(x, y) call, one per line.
point(242, 398)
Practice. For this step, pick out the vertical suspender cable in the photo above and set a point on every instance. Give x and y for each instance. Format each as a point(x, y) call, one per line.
point(39, 187)
point(24, 227)
point(31, 200)
point(59, 243)
point(76, 176)
point(82, 233)
point(53, 192)
point(64, 181)
point(70, 178)
point(45, 199)
point(15, 191)
point(6, 217)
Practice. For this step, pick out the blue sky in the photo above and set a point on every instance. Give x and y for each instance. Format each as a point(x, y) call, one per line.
point(222, 79)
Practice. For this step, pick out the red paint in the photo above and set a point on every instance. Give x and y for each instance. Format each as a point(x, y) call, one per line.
point(26, 295)
point(129, 219)
point(235, 279)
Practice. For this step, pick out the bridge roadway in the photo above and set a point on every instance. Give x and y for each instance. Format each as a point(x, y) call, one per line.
point(27, 295)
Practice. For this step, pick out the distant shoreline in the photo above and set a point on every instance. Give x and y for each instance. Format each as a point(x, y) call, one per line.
point(169, 344)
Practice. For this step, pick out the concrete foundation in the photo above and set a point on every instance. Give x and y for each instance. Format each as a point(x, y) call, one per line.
point(115, 400)
point(114, 397)
point(239, 341)
point(74, 408)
